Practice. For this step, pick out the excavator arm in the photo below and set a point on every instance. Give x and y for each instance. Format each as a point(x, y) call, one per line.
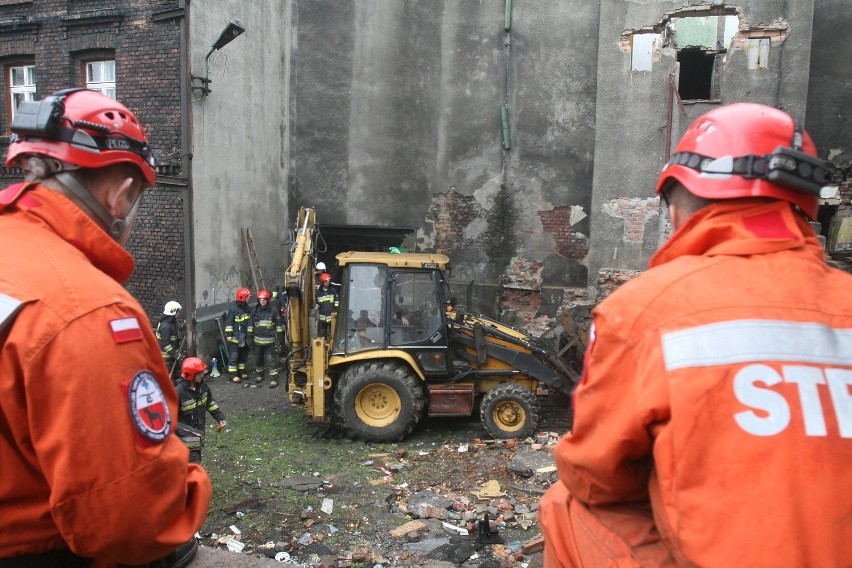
point(299, 280)
point(307, 361)
point(492, 348)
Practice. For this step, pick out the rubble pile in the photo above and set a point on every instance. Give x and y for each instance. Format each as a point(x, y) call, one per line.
point(470, 504)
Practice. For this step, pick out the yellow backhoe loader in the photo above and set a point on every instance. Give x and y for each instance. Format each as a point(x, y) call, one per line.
point(400, 350)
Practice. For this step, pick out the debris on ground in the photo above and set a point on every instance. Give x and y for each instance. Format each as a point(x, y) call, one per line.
point(457, 501)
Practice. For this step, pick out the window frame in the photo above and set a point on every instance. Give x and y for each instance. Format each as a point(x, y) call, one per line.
point(103, 87)
point(12, 90)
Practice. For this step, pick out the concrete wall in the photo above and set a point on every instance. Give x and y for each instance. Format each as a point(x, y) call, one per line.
point(632, 110)
point(387, 113)
point(829, 120)
point(239, 145)
point(395, 121)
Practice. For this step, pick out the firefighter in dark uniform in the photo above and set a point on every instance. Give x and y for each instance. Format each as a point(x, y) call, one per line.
point(238, 335)
point(328, 301)
point(279, 304)
point(268, 331)
point(168, 335)
point(195, 400)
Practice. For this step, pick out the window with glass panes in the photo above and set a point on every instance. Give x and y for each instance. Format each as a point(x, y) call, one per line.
point(100, 76)
point(21, 85)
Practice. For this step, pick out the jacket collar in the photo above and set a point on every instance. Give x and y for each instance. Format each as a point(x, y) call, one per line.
point(40, 205)
point(740, 227)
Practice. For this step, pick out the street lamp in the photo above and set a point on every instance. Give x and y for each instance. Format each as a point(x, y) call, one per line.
point(231, 31)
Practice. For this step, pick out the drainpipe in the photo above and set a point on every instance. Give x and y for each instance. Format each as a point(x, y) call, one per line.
point(186, 170)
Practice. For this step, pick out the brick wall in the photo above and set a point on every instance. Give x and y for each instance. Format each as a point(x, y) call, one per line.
point(449, 214)
point(57, 36)
point(569, 243)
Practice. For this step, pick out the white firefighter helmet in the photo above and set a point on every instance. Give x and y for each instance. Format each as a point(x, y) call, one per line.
point(172, 308)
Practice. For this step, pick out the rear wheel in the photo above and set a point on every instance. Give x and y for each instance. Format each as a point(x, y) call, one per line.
point(379, 401)
point(510, 411)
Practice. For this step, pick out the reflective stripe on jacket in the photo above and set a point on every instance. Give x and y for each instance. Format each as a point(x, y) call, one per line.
point(717, 388)
point(238, 323)
point(328, 303)
point(167, 336)
point(196, 403)
point(267, 325)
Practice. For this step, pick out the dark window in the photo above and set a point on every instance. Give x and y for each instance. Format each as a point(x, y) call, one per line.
point(696, 74)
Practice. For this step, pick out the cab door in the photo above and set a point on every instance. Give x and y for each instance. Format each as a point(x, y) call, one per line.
point(417, 319)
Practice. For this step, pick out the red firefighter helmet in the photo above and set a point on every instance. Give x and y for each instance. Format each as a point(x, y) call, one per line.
point(83, 128)
point(243, 294)
point(264, 295)
point(191, 367)
point(748, 150)
point(325, 277)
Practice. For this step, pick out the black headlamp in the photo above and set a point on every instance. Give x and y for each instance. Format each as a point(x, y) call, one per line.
point(787, 167)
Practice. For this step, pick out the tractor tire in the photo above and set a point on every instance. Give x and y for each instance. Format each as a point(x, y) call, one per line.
point(379, 401)
point(510, 411)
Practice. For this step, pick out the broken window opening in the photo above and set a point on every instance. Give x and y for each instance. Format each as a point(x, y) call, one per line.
point(824, 216)
point(758, 53)
point(697, 70)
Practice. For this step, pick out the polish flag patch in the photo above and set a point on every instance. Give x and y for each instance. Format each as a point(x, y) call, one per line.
point(125, 329)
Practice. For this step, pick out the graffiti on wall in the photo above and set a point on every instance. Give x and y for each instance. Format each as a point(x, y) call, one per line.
point(222, 288)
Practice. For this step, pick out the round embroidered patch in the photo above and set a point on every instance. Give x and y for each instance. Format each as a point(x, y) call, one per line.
point(148, 408)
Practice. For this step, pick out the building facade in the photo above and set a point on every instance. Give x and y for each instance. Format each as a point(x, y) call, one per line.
point(128, 50)
point(523, 140)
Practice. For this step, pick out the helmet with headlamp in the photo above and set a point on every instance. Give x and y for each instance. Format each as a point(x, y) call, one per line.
point(748, 150)
point(81, 128)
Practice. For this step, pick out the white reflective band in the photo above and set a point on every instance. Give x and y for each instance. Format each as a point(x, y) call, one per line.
point(746, 341)
point(9, 306)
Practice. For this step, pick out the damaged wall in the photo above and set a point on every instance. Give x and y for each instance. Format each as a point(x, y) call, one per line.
point(633, 100)
point(396, 121)
point(389, 115)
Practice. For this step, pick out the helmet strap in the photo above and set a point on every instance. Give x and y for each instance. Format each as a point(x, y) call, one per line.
point(116, 227)
point(119, 229)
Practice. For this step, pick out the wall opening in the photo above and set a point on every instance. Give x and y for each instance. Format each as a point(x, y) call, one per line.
point(824, 216)
point(335, 239)
point(696, 74)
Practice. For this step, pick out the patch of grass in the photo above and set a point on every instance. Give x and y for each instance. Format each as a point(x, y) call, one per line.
point(251, 459)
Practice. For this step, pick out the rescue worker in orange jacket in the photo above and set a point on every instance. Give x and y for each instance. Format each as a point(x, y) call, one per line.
point(92, 473)
point(713, 423)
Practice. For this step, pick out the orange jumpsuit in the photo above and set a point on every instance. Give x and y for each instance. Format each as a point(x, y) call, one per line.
point(713, 425)
point(88, 455)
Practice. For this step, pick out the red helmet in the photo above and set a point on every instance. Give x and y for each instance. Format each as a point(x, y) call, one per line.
point(748, 150)
point(264, 295)
point(325, 277)
point(243, 294)
point(83, 128)
point(191, 367)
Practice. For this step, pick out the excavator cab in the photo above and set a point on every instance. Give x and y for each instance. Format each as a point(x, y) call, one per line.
point(386, 307)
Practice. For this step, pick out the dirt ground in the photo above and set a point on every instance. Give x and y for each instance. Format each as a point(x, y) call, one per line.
point(447, 495)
